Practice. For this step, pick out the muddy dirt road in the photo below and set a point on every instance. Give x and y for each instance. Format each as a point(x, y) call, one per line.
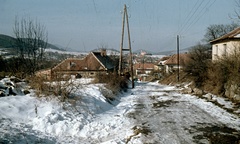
point(162, 115)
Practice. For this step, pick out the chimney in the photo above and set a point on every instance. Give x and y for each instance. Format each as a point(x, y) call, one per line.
point(103, 52)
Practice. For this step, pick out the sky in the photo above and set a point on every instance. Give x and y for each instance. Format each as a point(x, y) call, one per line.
point(84, 25)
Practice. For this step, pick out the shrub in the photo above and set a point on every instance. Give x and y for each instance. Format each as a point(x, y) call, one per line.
point(199, 58)
point(216, 77)
point(224, 71)
point(114, 82)
point(62, 88)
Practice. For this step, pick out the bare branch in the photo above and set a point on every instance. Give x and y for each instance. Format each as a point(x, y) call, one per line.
point(31, 41)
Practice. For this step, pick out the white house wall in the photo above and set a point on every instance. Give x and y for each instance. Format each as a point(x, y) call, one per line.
point(224, 49)
point(170, 68)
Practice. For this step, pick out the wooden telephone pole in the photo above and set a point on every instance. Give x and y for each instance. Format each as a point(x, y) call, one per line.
point(122, 68)
point(178, 61)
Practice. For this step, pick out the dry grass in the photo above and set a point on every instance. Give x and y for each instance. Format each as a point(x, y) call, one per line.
point(172, 78)
point(221, 77)
point(223, 73)
point(62, 88)
point(114, 82)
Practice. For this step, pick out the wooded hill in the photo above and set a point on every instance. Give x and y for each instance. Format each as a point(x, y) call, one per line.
point(9, 42)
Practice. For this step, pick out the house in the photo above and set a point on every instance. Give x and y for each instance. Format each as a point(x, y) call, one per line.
point(172, 63)
point(94, 63)
point(143, 69)
point(225, 45)
point(160, 63)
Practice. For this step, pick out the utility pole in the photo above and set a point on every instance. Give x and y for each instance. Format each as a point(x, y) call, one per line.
point(121, 44)
point(178, 62)
point(130, 70)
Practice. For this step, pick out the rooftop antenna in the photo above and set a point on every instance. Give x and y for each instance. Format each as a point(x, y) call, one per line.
point(122, 68)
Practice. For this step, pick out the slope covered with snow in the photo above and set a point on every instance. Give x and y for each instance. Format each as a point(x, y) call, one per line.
point(149, 113)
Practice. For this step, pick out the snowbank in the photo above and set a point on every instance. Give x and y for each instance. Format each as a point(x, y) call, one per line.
point(87, 117)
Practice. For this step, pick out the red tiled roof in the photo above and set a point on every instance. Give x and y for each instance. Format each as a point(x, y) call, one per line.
point(93, 61)
point(183, 58)
point(162, 59)
point(143, 66)
point(71, 64)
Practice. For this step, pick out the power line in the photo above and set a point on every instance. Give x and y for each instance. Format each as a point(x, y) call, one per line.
point(200, 14)
point(188, 19)
point(95, 8)
point(197, 15)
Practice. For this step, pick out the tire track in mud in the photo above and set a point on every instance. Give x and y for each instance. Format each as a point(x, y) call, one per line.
point(163, 116)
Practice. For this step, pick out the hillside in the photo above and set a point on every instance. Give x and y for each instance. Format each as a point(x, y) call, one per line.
point(9, 42)
point(6, 41)
point(171, 52)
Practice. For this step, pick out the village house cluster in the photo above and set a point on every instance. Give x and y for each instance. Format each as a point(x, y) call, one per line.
point(143, 65)
point(100, 63)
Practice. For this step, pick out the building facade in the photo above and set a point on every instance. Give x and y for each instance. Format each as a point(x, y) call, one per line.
point(226, 45)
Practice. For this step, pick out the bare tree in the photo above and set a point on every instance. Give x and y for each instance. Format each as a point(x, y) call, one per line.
point(199, 58)
point(31, 41)
point(236, 14)
point(218, 30)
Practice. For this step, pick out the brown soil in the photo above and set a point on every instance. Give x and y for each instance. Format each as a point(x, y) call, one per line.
point(173, 78)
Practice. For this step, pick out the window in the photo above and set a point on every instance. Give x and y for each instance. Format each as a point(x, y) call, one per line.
point(224, 49)
point(216, 50)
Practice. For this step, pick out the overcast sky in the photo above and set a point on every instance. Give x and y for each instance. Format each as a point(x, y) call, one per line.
point(85, 25)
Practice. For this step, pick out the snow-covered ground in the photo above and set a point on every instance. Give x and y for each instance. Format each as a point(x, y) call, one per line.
point(149, 113)
point(64, 52)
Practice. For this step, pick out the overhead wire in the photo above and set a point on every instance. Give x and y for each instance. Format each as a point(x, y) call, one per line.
point(200, 14)
point(188, 19)
point(95, 8)
point(192, 18)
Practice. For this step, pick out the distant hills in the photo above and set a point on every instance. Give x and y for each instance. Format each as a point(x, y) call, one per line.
point(147, 52)
point(9, 42)
point(54, 47)
point(142, 50)
point(171, 52)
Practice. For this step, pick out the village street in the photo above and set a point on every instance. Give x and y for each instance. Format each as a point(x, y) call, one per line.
point(153, 113)
point(149, 113)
